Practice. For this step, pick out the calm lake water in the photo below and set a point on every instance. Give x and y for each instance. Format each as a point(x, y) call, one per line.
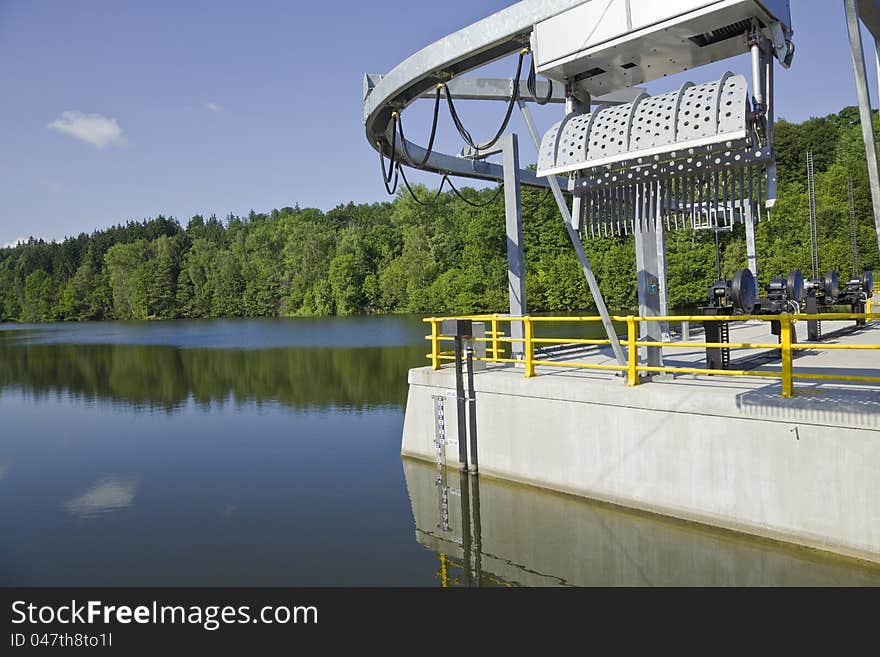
point(266, 452)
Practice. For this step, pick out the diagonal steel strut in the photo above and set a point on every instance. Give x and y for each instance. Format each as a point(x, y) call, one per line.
point(578, 246)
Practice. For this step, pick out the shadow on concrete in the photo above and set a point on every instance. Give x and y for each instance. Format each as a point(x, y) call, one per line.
point(815, 403)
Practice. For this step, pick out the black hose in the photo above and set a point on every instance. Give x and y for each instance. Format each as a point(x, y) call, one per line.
point(473, 203)
point(439, 191)
point(469, 140)
point(414, 196)
point(532, 84)
point(390, 188)
point(389, 174)
point(393, 171)
point(396, 170)
point(532, 208)
point(429, 150)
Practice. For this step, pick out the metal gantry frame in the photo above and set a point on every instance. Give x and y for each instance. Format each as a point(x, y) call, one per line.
point(509, 31)
point(504, 33)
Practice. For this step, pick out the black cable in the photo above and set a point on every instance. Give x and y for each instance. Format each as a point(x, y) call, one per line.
point(389, 174)
point(473, 203)
point(469, 140)
point(429, 150)
point(415, 198)
point(393, 172)
point(532, 84)
point(391, 189)
point(396, 170)
point(539, 203)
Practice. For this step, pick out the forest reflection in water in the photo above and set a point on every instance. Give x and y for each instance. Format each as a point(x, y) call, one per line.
point(268, 453)
point(166, 377)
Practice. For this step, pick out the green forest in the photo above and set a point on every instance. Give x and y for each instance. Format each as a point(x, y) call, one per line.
point(400, 256)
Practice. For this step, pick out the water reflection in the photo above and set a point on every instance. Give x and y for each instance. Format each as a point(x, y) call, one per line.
point(110, 494)
point(487, 532)
point(167, 377)
point(204, 460)
point(373, 331)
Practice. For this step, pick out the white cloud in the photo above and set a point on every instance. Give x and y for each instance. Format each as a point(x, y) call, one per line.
point(107, 495)
point(214, 107)
point(93, 129)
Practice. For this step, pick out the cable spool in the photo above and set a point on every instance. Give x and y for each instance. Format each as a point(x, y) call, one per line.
point(794, 286)
point(868, 283)
point(744, 291)
point(831, 286)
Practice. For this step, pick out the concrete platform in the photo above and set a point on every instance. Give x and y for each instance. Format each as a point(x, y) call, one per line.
point(725, 451)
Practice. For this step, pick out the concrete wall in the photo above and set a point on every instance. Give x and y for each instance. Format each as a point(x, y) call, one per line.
point(726, 454)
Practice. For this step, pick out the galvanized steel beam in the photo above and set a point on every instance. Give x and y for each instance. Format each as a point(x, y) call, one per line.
point(852, 9)
point(516, 260)
point(500, 89)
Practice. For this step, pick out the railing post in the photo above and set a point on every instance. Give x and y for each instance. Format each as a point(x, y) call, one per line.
point(785, 348)
point(435, 344)
point(632, 378)
point(529, 347)
point(495, 354)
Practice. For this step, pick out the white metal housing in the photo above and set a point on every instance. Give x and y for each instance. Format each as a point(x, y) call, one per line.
point(605, 45)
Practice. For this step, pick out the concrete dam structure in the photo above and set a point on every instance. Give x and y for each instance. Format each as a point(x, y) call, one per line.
point(728, 451)
point(760, 413)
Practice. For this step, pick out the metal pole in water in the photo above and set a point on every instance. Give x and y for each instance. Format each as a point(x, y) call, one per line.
point(460, 405)
point(472, 408)
point(466, 548)
point(478, 533)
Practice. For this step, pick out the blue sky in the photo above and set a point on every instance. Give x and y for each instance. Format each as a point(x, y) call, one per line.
point(119, 109)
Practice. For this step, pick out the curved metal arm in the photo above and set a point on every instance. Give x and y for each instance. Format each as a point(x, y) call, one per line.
point(499, 35)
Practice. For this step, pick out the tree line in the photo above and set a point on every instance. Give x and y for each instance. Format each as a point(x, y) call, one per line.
point(401, 256)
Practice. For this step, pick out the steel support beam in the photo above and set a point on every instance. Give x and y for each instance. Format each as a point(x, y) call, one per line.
point(877, 57)
point(499, 89)
point(649, 242)
point(470, 166)
point(751, 243)
point(516, 267)
point(858, 58)
point(471, 88)
point(663, 290)
point(574, 105)
point(578, 246)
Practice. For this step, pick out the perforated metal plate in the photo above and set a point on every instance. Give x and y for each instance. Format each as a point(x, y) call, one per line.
point(701, 199)
point(662, 127)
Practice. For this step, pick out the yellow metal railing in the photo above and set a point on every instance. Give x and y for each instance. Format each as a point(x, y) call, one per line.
point(786, 345)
